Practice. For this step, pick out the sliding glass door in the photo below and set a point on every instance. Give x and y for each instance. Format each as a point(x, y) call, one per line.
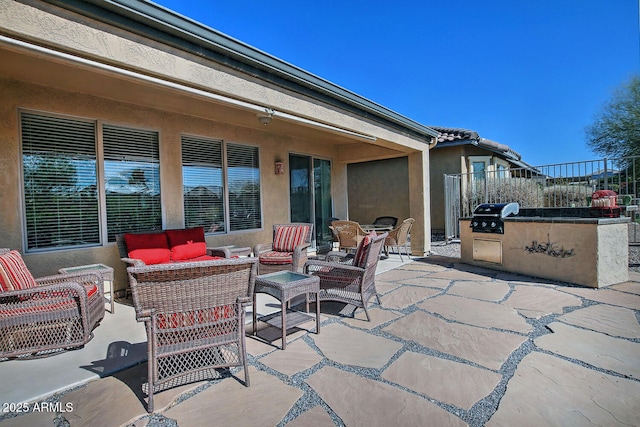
point(310, 195)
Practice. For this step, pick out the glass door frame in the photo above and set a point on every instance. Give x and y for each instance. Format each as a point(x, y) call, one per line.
point(311, 165)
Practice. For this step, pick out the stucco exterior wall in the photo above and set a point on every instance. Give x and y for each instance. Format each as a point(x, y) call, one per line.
point(61, 29)
point(393, 187)
point(367, 201)
point(136, 82)
point(442, 160)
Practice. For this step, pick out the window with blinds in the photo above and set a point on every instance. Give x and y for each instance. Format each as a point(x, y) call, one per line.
point(202, 182)
point(60, 182)
point(132, 180)
point(243, 183)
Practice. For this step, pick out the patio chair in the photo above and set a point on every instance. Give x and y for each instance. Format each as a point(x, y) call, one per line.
point(288, 250)
point(399, 237)
point(391, 221)
point(346, 279)
point(47, 315)
point(194, 316)
point(349, 234)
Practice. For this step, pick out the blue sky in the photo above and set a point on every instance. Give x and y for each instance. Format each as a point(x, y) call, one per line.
point(529, 74)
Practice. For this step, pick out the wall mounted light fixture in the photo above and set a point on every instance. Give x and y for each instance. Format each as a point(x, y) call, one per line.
point(266, 117)
point(279, 167)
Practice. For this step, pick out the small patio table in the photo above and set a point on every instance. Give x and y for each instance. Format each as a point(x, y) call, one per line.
point(284, 286)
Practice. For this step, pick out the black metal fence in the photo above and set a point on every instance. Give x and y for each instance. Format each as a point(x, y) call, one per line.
point(556, 185)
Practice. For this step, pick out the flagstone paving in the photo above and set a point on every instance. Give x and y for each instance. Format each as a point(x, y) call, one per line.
point(608, 319)
point(477, 313)
point(450, 345)
point(536, 302)
point(487, 291)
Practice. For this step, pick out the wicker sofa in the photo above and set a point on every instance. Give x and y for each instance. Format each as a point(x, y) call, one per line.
point(167, 247)
point(46, 315)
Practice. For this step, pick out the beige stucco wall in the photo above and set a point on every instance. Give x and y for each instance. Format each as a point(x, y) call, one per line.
point(392, 187)
point(443, 160)
point(48, 82)
point(367, 201)
point(589, 254)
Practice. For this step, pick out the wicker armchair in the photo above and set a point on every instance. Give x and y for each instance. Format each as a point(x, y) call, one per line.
point(399, 237)
point(46, 315)
point(288, 250)
point(349, 234)
point(194, 315)
point(349, 279)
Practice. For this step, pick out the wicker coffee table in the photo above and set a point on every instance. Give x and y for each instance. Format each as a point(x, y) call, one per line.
point(285, 285)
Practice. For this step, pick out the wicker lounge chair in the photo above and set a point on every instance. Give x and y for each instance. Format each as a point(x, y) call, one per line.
point(349, 279)
point(288, 250)
point(399, 237)
point(43, 316)
point(349, 234)
point(194, 315)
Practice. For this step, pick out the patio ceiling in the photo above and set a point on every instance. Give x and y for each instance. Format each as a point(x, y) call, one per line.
point(43, 70)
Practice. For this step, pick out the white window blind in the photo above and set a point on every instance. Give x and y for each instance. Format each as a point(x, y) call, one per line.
point(60, 186)
point(202, 182)
point(243, 176)
point(132, 180)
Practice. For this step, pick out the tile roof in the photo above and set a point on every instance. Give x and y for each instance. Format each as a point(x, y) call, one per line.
point(450, 136)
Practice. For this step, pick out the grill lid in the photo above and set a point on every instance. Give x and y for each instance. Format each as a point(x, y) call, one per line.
point(496, 210)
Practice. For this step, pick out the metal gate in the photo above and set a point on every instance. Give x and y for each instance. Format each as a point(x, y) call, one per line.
point(451, 207)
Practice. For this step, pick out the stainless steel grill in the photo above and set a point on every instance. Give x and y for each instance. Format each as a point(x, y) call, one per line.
point(488, 217)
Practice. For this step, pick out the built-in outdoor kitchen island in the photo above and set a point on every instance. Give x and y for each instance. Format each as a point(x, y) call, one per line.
point(563, 244)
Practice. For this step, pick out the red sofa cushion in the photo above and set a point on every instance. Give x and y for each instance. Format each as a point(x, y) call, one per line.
point(14, 274)
point(196, 317)
point(203, 258)
point(152, 255)
point(188, 251)
point(184, 236)
point(276, 258)
point(145, 241)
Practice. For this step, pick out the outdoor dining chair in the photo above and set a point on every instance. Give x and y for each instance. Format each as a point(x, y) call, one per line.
point(399, 237)
point(348, 233)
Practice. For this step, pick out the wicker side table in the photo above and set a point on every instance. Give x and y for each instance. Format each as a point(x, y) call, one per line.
point(285, 285)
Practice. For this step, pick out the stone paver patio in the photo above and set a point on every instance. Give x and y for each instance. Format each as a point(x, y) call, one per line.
point(451, 345)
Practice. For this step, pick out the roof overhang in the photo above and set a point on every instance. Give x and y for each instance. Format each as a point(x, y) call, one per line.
point(168, 27)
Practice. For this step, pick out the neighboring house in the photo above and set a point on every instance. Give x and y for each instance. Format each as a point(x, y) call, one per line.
point(122, 115)
point(463, 151)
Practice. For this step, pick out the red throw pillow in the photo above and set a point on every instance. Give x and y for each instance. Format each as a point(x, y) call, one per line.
point(288, 237)
point(185, 235)
point(152, 256)
point(14, 274)
point(361, 253)
point(145, 241)
point(188, 251)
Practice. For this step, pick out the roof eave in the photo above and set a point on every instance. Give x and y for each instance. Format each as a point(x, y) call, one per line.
point(168, 27)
